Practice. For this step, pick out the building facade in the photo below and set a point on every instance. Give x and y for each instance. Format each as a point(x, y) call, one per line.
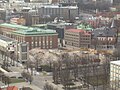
point(115, 75)
point(22, 52)
point(66, 12)
point(31, 17)
point(42, 38)
point(77, 38)
point(103, 38)
point(20, 21)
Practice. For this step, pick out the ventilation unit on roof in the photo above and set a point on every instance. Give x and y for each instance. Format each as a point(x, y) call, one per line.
point(100, 33)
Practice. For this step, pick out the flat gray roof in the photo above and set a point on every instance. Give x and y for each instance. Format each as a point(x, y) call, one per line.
point(7, 39)
point(115, 62)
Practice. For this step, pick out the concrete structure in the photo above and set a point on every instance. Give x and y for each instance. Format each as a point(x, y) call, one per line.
point(60, 27)
point(115, 75)
point(22, 51)
point(77, 38)
point(7, 44)
point(66, 12)
point(12, 47)
point(31, 17)
point(43, 38)
point(2, 15)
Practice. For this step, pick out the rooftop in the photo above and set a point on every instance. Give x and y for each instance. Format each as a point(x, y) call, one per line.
point(24, 30)
point(7, 39)
point(75, 30)
point(35, 31)
point(115, 62)
point(12, 88)
point(57, 6)
point(39, 25)
point(84, 27)
point(13, 26)
point(103, 32)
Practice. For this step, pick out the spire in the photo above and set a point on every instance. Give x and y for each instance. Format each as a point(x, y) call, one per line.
point(113, 24)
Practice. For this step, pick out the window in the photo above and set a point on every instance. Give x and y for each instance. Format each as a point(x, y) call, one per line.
point(24, 56)
point(24, 48)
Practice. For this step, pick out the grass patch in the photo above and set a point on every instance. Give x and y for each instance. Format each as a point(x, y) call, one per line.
point(16, 80)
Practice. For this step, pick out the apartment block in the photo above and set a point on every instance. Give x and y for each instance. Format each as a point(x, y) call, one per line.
point(77, 38)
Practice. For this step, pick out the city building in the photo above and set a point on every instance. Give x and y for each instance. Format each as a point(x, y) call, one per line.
point(104, 38)
point(65, 12)
point(27, 1)
point(115, 2)
point(60, 27)
point(7, 44)
point(20, 21)
point(77, 38)
point(31, 17)
point(12, 47)
point(115, 75)
point(35, 37)
point(2, 15)
point(22, 52)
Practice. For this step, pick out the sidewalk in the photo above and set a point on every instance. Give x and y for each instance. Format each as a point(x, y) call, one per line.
point(16, 69)
point(24, 84)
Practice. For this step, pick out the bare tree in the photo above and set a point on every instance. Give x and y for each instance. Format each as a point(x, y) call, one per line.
point(116, 54)
point(27, 76)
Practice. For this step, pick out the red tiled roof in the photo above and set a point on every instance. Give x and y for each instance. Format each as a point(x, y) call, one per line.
point(12, 88)
point(76, 30)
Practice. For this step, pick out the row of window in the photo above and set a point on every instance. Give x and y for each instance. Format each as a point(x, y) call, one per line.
point(105, 46)
point(39, 38)
point(41, 44)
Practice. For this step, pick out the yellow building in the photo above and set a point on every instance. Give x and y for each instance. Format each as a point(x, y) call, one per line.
point(20, 21)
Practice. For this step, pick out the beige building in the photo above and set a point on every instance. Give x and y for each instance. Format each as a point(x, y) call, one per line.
point(115, 75)
point(77, 38)
point(20, 21)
